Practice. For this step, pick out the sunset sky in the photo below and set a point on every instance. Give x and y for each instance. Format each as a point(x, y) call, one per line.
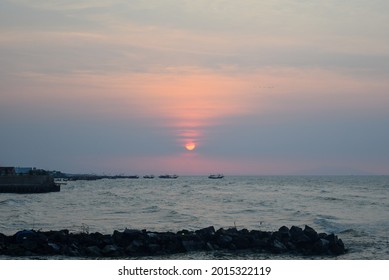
point(195, 87)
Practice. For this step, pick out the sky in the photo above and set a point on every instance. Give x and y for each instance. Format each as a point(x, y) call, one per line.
point(188, 87)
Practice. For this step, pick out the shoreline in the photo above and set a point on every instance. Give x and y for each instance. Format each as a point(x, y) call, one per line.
point(141, 243)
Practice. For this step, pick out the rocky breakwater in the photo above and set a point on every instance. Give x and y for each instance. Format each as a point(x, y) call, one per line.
point(135, 243)
point(28, 184)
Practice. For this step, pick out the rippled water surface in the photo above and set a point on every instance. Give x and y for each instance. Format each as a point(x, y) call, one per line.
point(354, 207)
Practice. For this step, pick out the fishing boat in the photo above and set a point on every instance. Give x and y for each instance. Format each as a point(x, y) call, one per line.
point(216, 176)
point(148, 177)
point(168, 176)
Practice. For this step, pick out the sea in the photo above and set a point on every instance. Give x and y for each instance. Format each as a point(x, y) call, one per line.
point(355, 208)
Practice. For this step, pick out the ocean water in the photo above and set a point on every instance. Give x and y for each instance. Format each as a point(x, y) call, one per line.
point(356, 208)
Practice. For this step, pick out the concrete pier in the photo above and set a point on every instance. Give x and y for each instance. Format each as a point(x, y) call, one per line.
point(28, 184)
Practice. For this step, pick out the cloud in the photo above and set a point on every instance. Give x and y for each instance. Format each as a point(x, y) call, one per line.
point(273, 81)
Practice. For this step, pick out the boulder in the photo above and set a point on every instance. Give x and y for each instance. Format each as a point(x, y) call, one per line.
point(311, 233)
point(111, 251)
point(142, 243)
point(321, 246)
point(277, 246)
point(206, 233)
point(93, 251)
point(297, 235)
point(193, 245)
point(136, 247)
point(224, 241)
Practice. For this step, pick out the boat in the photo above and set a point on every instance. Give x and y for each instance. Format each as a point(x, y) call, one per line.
point(148, 176)
point(216, 176)
point(168, 176)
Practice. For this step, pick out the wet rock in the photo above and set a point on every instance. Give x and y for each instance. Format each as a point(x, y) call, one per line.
point(321, 246)
point(111, 251)
point(184, 232)
point(93, 251)
point(136, 246)
point(142, 243)
point(193, 245)
point(206, 233)
point(243, 241)
point(277, 247)
point(298, 236)
point(224, 241)
point(153, 248)
point(71, 250)
point(210, 247)
point(54, 247)
point(61, 236)
point(336, 245)
point(16, 250)
point(284, 229)
point(3, 238)
point(23, 235)
point(132, 233)
point(311, 233)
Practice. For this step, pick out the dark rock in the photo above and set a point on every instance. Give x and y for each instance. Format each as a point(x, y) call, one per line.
point(260, 243)
point(206, 233)
point(184, 232)
point(284, 229)
point(29, 244)
point(311, 233)
point(243, 241)
point(93, 251)
point(224, 241)
point(210, 247)
point(143, 243)
point(298, 236)
point(61, 236)
point(277, 247)
point(126, 237)
point(336, 245)
point(153, 248)
point(111, 251)
point(16, 250)
point(132, 233)
point(136, 246)
point(3, 238)
point(71, 250)
point(232, 231)
point(54, 247)
point(321, 246)
point(106, 239)
point(291, 246)
point(23, 235)
point(193, 245)
point(244, 231)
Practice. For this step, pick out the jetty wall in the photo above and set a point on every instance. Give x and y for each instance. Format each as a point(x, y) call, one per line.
point(28, 184)
point(137, 243)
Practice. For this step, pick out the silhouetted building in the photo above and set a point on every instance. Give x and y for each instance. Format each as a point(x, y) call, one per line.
point(7, 171)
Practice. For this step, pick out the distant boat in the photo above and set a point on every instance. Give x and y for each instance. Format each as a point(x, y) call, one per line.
point(148, 176)
point(216, 176)
point(132, 177)
point(167, 176)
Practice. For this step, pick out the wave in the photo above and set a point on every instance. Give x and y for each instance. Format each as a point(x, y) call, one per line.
point(12, 202)
point(328, 225)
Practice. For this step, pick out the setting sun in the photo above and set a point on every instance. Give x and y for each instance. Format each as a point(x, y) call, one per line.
point(190, 146)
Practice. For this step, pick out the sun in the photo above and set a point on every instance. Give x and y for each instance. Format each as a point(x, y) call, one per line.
point(190, 146)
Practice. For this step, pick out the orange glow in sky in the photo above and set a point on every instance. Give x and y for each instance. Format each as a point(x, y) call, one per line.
point(191, 101)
